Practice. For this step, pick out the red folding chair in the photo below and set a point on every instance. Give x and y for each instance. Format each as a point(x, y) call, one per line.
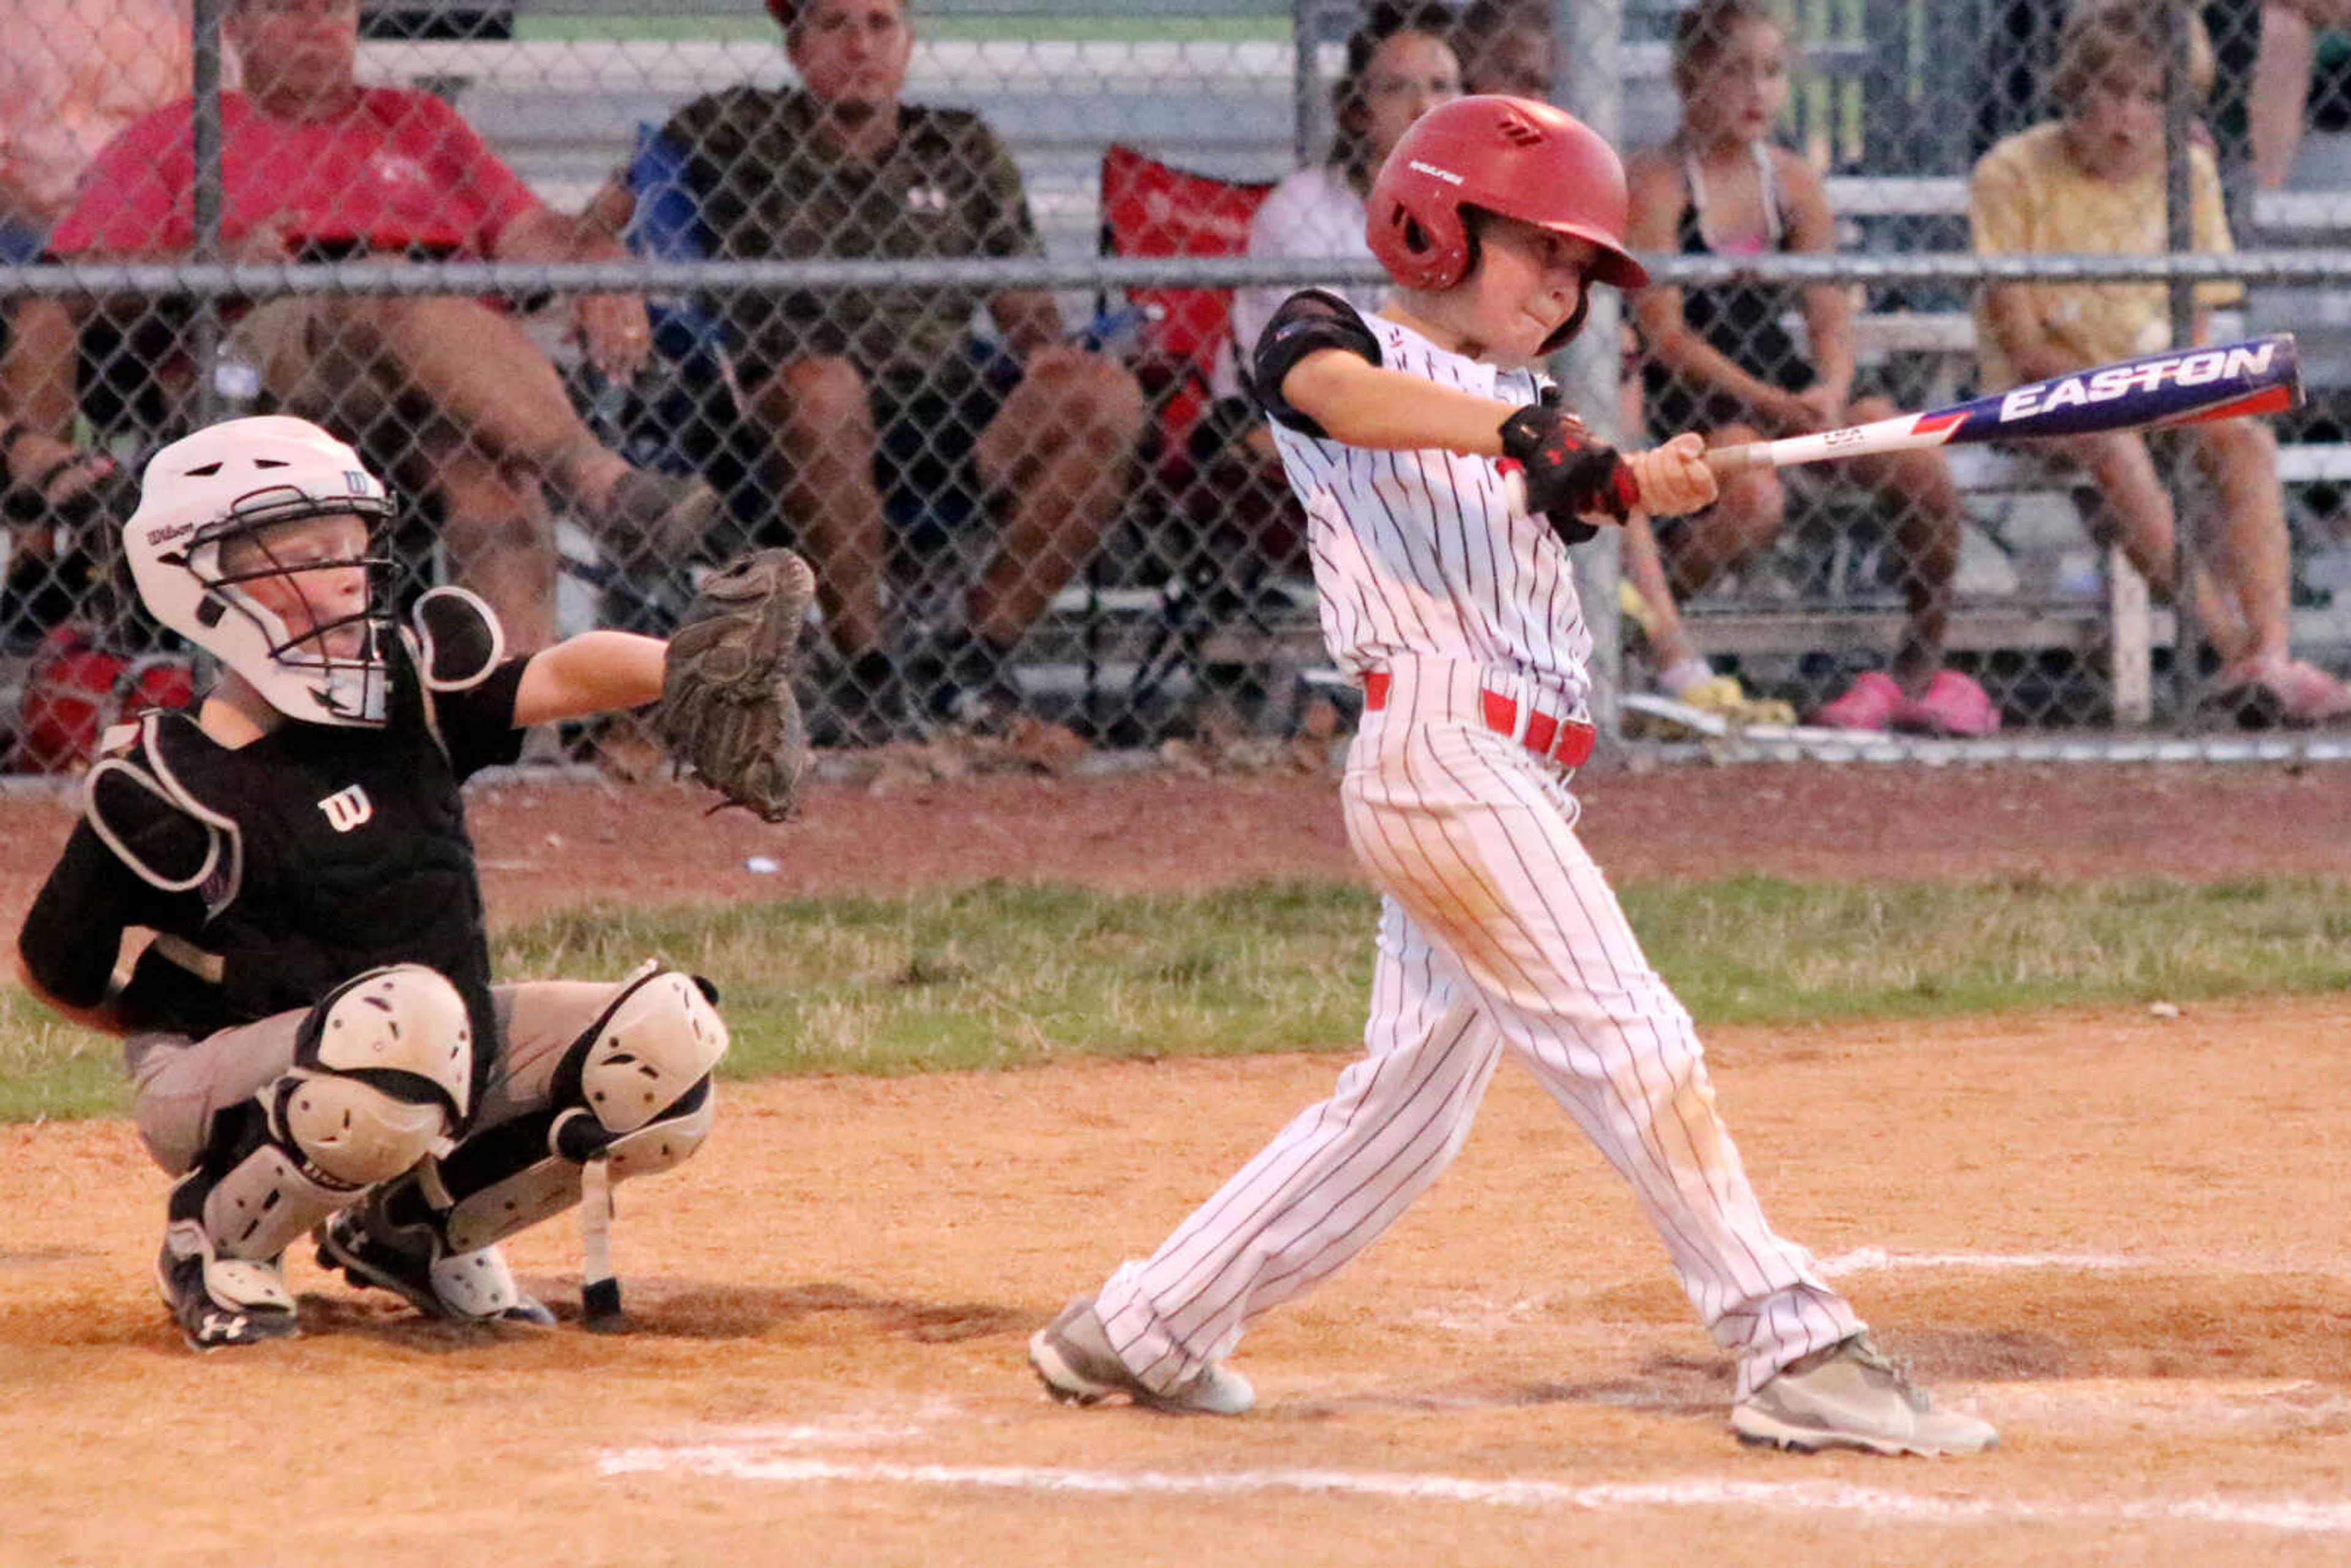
point(1228, 511)
point(1151, 209)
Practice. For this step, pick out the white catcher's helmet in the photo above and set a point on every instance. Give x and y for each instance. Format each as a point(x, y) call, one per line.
point(233, 479)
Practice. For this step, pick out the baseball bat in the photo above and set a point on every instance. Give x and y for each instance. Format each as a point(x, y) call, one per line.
point(2258, 375)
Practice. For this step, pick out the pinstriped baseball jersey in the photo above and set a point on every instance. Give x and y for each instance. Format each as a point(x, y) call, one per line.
point(1498, 933)
point(1423, 552)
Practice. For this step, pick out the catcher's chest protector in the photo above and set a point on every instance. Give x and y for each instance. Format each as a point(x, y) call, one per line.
point(335, 849)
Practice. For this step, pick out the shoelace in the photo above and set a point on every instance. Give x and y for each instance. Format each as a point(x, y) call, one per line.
point(1896, 1374)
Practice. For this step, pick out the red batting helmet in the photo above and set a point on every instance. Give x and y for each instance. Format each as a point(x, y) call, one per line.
point(1509, 155)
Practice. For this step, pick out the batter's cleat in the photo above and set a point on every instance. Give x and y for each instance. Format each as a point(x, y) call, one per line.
point(1074, 1356)
point(412, 1260)
point(221, 1301)
point(1849, 1396)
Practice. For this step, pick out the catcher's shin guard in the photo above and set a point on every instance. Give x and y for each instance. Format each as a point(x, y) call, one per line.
point(633, 1090)
point(381, 1077)
point(219, 1301)
point(382, 1074)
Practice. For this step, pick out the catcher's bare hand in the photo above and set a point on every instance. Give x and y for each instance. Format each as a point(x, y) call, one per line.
point(1674, 478)
point(727, 713)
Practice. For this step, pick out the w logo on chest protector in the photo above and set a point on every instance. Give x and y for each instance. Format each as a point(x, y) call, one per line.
point(347, 808)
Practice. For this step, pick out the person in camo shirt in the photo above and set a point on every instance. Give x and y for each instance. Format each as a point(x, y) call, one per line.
point(1043, 430)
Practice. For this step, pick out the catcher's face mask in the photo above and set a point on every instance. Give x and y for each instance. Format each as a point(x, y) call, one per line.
point(252, 540)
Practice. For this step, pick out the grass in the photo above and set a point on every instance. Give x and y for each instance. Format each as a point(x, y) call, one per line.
point(998, 975)
point(1001, 975)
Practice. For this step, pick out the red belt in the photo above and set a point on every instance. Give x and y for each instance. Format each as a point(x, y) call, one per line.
point(1563, 740)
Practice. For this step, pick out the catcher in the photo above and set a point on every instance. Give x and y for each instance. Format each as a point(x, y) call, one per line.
point(315, 1045)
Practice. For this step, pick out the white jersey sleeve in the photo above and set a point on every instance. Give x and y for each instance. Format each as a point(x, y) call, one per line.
point(1423, 554)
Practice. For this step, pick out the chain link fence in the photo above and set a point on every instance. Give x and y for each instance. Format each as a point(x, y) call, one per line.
point(945, 299)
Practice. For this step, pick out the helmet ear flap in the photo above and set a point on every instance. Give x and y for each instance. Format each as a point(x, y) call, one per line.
point(1429, 249)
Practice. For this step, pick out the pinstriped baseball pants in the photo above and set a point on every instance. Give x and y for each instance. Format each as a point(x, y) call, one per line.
point(1497, 932)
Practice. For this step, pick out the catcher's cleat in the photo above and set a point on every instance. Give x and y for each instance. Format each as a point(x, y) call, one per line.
point(1072, 1355)
point(1851, 1396)
point(413, 1262)
point(221, 1301)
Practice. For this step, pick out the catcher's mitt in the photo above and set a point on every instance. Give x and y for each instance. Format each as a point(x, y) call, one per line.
point(727, 713)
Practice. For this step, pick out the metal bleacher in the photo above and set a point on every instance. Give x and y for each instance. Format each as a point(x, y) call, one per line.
point(563, 110)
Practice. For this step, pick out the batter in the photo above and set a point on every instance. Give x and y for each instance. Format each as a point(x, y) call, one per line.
point(1443, 487)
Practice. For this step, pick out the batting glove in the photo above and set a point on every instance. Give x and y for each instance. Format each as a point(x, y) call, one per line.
point(1568, 475)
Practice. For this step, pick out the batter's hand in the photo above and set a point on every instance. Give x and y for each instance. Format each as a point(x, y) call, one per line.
point(1674, 478)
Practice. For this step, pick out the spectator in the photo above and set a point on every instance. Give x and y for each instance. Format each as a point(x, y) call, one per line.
point(2093, 181)
point(317, 166)
point(1399, 65)
point(1508, 47)
point(1720, 363)
point(1644, 595)
point(72, 74)
point(840, 167)
point(52, 496)
point(2278, 103)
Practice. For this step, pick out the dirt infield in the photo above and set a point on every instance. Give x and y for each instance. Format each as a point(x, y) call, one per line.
point(2116, 1235)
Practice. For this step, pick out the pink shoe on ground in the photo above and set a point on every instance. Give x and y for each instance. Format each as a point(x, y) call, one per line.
point(1870, 703)
point(2296, 691)
point(1952, 705)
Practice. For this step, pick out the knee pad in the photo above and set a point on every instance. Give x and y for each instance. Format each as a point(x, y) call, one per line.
point(381, 1072)
point(652, 1043)
point(635, 1089)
